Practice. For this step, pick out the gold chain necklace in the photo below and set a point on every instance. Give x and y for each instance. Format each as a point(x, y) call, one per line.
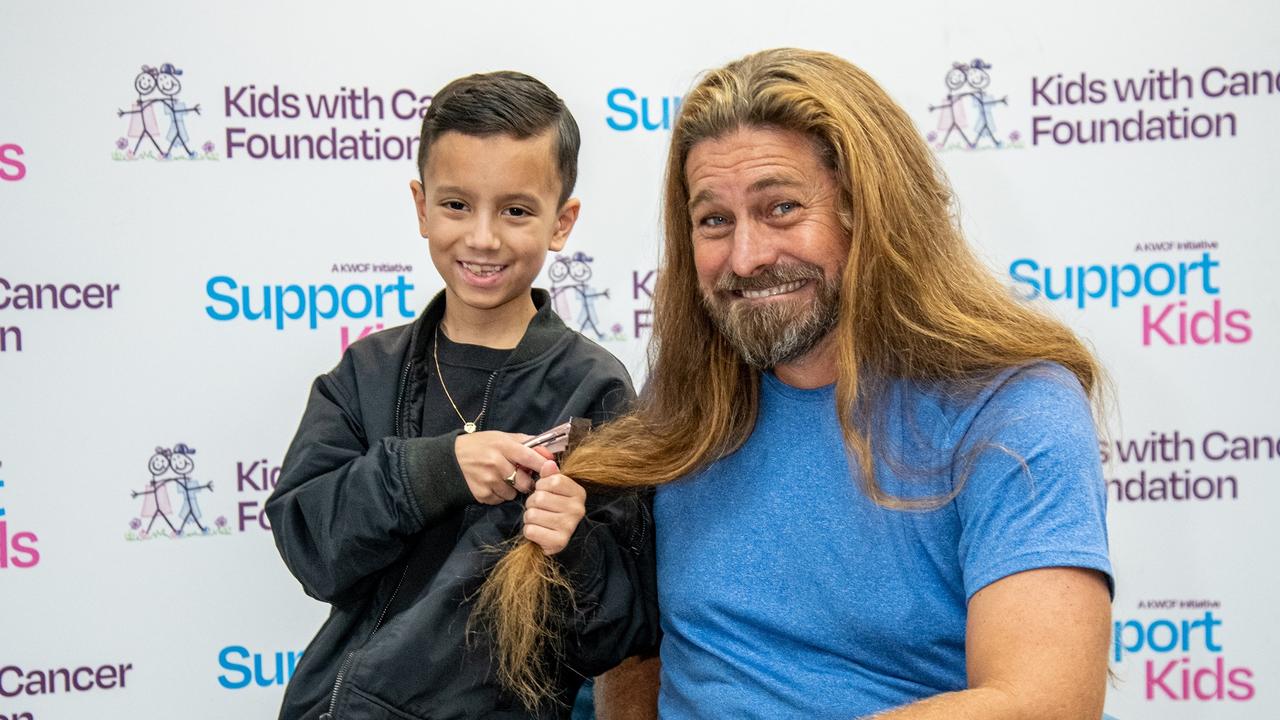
point(469, 427)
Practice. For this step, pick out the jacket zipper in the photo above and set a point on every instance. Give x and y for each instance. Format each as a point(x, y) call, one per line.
point(641, 529)
point(404, 380)
point(484, 404)
point(333, 699)
point(346, 664)
point(387, 607)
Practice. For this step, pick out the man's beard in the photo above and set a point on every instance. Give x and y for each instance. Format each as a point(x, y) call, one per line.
point(774, 332)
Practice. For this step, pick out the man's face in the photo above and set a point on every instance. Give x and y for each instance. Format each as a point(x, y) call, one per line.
point(489, 208)
point(767, 241)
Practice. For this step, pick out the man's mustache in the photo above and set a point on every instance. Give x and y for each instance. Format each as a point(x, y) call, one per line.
point(771, 276)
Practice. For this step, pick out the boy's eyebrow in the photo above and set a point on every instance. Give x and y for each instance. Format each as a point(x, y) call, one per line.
point(450, 190)
point(523, 198)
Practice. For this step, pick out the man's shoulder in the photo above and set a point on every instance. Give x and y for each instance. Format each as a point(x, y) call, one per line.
point(1042, 388)
point(1000, 402)
point(1022, 404)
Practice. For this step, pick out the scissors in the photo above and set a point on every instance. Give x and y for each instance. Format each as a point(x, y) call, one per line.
point(561, 437)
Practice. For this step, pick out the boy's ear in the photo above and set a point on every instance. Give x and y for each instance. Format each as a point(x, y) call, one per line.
point(564, 223)
point(420, 203)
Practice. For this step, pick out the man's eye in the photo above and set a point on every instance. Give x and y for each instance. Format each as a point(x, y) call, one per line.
point(456, 205)
point(518, 212)
point(783, 208)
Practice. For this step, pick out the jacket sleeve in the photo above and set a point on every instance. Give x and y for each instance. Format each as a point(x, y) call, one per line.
point(610, 563)
point(346, 506)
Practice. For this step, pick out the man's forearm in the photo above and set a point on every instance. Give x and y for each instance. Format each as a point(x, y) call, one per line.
point(987, 703)
point(975, 704)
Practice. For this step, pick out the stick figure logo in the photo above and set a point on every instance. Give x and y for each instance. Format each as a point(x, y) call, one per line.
point(574, 300)
point(968, 95)
point(158, 92)
point(171, 469)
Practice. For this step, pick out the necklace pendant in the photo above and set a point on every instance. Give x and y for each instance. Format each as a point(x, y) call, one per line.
point(469, 427)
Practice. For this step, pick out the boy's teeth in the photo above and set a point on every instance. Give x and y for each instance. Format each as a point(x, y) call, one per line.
point(775, 290)
point(482, 269)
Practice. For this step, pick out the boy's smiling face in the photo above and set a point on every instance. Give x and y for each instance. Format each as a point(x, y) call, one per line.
point(489, 208)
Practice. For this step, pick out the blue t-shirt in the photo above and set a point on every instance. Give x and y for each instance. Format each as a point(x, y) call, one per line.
point(786, 592)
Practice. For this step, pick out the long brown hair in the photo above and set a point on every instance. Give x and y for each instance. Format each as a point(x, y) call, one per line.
point(915, 304)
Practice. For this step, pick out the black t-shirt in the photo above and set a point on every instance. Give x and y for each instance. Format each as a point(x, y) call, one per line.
point(468, 372)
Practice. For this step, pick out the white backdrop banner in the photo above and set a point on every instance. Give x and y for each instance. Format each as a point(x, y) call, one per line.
point(173, 274)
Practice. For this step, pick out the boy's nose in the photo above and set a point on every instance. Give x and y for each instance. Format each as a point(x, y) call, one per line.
point(483, 237)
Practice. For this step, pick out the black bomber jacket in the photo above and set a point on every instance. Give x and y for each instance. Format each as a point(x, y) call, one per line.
point(378, 522)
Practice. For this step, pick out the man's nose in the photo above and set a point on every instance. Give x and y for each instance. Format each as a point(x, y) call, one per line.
point(754, 248)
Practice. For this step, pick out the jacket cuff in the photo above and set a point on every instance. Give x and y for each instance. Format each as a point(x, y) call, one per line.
point(435, 479)
point(581, 558)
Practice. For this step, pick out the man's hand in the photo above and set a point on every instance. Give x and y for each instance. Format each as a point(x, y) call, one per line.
point(488, 458)
point(553, 511)
point(630, 690)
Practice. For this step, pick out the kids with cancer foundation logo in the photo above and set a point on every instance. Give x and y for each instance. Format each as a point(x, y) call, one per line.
point(17, 547)
point(12, 168)
point(1164, 323)
point(17, 295)
point(288, 305)
point(1184, 657)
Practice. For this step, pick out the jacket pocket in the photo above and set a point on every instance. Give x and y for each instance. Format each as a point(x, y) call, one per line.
point(359, 705)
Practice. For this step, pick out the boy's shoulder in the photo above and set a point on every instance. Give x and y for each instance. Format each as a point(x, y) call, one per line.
point(600, 356)
point(573, 345)
point(392, 341)
point(376, 354)
point(380, 356)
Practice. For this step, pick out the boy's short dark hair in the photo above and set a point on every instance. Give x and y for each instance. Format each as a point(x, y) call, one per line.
point(503, 102)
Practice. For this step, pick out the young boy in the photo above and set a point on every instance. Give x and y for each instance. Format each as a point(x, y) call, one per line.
point(408, 466)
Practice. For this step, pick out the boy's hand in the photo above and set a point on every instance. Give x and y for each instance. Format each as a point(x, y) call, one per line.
point(553, 511)
point(488, 460)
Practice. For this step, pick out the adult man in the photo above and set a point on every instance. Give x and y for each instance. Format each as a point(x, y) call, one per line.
point(879, 488)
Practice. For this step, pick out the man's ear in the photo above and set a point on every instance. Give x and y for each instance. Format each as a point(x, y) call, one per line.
point(564, 223)
point(420, 204)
